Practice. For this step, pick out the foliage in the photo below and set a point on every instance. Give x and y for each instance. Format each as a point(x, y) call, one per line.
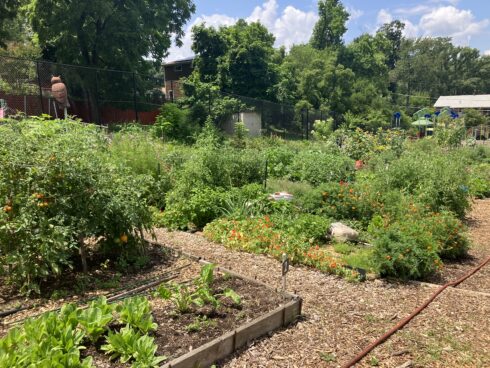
point(448, 232)
point(479, 184)
point(59, 187)
point(405, 250)
point(318, 167)
point(473, 117)
point(127, 344)
point(95, 319)
point(438, 179)
point(260, 235)
point(8, 11)
point(238, 58)
point(174, 123)
point(202, 294)
point(94, 34)
point(51, 340)
point(331, 26)
point(322, 129)
point(136, 313)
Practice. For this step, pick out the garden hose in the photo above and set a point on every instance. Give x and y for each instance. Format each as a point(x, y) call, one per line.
point(404, 321)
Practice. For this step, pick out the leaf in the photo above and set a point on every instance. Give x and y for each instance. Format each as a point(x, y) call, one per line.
point(233, 296)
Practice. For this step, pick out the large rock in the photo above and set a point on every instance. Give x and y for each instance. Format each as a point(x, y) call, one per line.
point(341, 232)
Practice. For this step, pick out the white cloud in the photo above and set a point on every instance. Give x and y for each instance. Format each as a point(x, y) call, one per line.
point(265, 14)
point(411, 30)
point(294, 27)
point(442, 21)
point(291, 27)
point(486, 52)
point(452, 2)
point(416, 10)
point(215, 20)
point(451, 22)
point(354, 13)
point(384, 17)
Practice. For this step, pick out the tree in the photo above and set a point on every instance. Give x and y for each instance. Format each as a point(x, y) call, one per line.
point(114, 34)
point(331, 26)
point(209, 44)
point(240, 59)
point(392, 33)
point(320, 81)
point(8, 12)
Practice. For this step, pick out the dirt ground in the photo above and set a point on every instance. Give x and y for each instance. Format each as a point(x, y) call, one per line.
point(340, 318)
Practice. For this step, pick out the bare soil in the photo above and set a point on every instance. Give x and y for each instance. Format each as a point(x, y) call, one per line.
point(173, 336)
point(341, 318)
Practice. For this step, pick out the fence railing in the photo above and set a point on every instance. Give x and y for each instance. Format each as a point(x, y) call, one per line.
point(106, 97)
point(96, 95)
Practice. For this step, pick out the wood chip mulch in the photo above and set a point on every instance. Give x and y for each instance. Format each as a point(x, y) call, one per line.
point(341, 318)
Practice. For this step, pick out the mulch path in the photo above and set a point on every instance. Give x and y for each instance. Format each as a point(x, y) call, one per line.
point(341, 318)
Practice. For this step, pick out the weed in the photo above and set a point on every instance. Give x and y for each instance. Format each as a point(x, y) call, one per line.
point(328, 357)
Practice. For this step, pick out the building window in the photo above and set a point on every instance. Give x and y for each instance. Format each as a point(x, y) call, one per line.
point(178, 68)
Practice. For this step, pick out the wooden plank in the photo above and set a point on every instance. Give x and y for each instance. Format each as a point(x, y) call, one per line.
point(291, 311)
point(206, 354)
point(259, 326)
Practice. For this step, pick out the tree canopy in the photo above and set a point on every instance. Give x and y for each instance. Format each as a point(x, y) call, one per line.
point(8, 12)
point(239, 59)
point(331, 25)
point(109, 33)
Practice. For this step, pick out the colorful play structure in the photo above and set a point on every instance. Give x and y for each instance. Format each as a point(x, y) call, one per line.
point(426, 121)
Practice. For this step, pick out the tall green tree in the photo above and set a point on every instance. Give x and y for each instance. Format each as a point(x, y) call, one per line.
point(331, 25)
point(240, 59)
point(109, 33)
point(8, 12)
point(316, 79)
point(392, 34)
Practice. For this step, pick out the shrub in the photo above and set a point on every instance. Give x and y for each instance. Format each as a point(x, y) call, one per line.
point(58, 187)
point(278, 160)
point(173, 122)
point(322, 129)
point(448, 233)
point(479, 182)
point(438, 180)
point(318, 167)
point(196, 208)
point(406, 251)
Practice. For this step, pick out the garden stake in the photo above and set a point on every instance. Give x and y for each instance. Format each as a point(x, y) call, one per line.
point(285, 269)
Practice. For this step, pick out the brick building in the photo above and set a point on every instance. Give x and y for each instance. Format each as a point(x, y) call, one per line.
point(174, 72)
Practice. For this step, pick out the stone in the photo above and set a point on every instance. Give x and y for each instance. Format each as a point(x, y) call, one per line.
point(340, 232)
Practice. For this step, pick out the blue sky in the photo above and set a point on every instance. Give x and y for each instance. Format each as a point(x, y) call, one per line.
point(292, 21)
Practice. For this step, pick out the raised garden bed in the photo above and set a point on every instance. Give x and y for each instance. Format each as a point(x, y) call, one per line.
point(203, 334)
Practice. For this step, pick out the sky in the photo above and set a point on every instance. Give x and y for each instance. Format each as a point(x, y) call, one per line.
point(292, 21)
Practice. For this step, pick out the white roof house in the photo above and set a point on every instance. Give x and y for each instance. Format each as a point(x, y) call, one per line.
point(464, 102)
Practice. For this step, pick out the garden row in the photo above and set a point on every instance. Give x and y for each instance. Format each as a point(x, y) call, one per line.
point(124, 332)
point(64, 183)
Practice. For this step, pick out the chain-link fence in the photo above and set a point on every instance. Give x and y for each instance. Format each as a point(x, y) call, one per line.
point(110, 96)
point(95, 95)
point(277, 119)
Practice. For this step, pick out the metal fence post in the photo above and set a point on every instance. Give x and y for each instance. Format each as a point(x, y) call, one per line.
point(134, 97)
point(307, 124)
point(97, 96)
point(40, 89)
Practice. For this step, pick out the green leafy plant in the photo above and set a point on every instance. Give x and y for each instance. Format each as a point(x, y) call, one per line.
point(136, 312)
point(127, 344)
point(95, 319)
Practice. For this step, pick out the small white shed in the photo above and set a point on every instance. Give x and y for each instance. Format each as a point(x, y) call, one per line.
point(251, 119)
